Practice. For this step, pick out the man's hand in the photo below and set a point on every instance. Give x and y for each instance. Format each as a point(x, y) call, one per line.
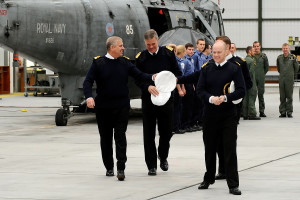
point(152, 90)
point(154, 77)
point(90, 103)
point(218, 100)
point(181, 93)
point(183, 90)
point(222, 99)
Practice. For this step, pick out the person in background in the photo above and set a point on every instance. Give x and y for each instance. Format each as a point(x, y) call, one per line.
point(287, 67)
point(180, 92)
point(187, 100)
point(207, 53)
point(246, 77)
point(249, 110)
point(261, 68)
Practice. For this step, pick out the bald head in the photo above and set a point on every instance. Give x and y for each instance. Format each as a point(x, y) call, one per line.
point(219, 51)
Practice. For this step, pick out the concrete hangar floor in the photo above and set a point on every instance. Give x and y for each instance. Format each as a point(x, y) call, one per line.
point(41, 161)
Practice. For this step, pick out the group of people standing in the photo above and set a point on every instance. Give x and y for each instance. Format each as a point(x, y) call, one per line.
point(201, 100)
point(188, 108)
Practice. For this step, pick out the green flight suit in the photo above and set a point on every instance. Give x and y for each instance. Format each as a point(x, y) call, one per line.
point(249, 109)
point(261, 64)
point(287, 68)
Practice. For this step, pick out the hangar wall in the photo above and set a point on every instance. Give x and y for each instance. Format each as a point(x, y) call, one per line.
point(280, 19)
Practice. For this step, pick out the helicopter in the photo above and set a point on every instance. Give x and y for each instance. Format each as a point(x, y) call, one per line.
point(65, 35)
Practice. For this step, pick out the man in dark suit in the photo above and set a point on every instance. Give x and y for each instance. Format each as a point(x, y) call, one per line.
point(220, 115)
point(110, 72)
point(154, 60)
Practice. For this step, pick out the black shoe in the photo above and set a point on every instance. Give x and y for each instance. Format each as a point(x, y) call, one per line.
point(246, 118)
point(179, 131)
point(110, 172)
point(121, 175)
point(204, 185)
point(235, 191)
point(152, 172)
point(189, 129)
point(262, 114)
point(200, 128)
point(290, 115)
point(220, 176)
point(282, 115)
point(254, 118)
point(197, 128)
point(164, 165)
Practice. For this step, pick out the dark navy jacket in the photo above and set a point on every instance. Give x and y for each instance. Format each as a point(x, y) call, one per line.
point(164, 60)
point(111, 76)
point(213, 81)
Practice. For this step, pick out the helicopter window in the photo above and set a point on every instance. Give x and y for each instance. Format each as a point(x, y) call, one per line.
point(159, 20)
point(221, 25)
point(215, 25)
point(208, 15)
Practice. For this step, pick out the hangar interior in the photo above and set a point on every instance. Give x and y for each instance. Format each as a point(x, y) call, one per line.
point(271, 22)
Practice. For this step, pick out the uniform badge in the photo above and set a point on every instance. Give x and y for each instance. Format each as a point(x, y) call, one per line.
point(170, 48)
point(138, 55)
point(182, 65)
point(204, 65)
point(238, 63)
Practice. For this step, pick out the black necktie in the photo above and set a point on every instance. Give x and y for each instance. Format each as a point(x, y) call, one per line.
point(154, 54)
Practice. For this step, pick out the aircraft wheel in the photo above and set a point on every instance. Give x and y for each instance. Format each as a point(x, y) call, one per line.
point(25, 94)
point(61, 118)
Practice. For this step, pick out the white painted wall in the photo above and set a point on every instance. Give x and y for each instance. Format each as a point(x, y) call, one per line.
point(275, 33)
point(280, 9)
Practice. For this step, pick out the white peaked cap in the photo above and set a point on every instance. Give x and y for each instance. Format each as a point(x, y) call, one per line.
point(165, 83)
point(232, 88)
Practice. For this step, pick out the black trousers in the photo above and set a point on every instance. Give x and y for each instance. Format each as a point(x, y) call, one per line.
point(113, 122)
point(163, 115)
point(197, 110)
point(215, 127)
point(187, 106)
point(177, 111)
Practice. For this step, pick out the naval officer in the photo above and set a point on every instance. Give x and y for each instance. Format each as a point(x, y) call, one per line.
point(219, 109)
point(110, 72)
point(154, 60)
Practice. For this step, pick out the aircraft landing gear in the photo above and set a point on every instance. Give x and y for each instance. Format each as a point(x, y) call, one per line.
point(61, 117)
point(63, 114)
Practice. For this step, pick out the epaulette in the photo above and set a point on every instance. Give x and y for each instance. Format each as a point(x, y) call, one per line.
point(138, 55)
point(238, 63)
point(204, 65)
point(126, 57)
point(170, 48)
point(294, 55)
point(183, 57)
point(242, 59)
point(97, 57)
